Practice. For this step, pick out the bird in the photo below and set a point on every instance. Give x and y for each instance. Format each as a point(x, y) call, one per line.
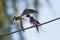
point(19, 18)
point(27, 12)
point(34, 22)
point(23, 15)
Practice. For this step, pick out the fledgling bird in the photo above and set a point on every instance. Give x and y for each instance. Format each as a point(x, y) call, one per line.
point(27, 12)
point(33, 21)
point(18, 18)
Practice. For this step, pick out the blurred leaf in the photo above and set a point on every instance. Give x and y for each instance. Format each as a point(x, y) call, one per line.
point(36, 4)
point(4, 18)
point(15, 8)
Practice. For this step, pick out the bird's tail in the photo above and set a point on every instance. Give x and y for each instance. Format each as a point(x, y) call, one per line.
point(37, 28)
point(22, 28)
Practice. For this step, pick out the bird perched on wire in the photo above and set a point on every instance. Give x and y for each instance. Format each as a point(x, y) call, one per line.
point(23, 15)
point(33, 21)
point(27, 12)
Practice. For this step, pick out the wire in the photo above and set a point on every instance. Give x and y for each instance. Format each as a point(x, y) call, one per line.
point(30, 27)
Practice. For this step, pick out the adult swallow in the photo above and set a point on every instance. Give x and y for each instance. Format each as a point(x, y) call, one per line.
point(27, 12)
point(33, 21)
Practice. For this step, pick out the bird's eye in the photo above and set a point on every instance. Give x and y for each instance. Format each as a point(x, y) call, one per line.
point(16, 19)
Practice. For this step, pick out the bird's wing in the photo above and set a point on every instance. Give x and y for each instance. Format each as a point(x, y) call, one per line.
point(36, 22)
point(24, 12)
point(28, 11)
point(32, 11)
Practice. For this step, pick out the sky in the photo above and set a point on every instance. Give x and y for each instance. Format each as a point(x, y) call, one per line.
point(48, 10)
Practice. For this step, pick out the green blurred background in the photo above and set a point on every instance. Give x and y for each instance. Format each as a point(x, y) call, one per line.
point(8, 9)
point(48, 10)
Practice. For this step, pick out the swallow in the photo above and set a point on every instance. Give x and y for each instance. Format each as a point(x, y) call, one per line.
point(19, 18)
point(27, 12)
point(33, 21)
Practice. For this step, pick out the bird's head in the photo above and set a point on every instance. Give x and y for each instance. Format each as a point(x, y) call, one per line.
point(15, 18)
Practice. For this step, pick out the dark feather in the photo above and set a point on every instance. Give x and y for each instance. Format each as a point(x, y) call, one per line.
point(28, 11)
point(35, 22)
point(37, 27)
point(32, 11)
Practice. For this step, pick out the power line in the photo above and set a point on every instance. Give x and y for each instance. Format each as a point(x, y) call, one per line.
point(30, 27)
